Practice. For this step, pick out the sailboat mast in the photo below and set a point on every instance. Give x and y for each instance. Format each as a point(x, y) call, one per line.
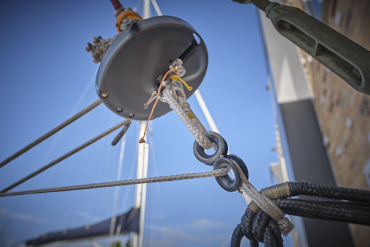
point(146, 9)
point(142, 167)
point(140, 196)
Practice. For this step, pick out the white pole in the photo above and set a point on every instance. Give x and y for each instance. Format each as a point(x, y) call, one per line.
point(156, 7)
point(137, 240)
point(205, 111)
point(143, 196)
point(119, 172)
point(142, 170)
point(146, 9)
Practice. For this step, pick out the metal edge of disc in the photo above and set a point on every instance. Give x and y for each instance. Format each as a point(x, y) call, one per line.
point(123, 37)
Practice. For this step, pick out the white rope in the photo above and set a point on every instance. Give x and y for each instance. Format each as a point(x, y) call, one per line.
point(193, 125)
point(265, 204)
point(268, 207)
point(262, 201)
point(214, 173)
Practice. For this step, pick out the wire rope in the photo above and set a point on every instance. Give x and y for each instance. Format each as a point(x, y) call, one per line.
point(66, 155)
point(73, 111)
point(52, 146)
point(116, 194)
point(92, 174)
point(50, 133)
point(214, 173)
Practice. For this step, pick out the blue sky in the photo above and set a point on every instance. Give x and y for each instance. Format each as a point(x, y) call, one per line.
point(47, 75)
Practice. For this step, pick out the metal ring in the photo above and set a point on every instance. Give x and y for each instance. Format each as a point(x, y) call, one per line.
point(226, 182)
point(220, 151)
point(239, 162)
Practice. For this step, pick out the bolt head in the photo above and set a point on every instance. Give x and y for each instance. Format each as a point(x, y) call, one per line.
point(181, 72)
point(104, 94)
point(119, 109)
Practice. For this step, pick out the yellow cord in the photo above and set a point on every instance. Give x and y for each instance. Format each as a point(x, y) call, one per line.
point(176, 78)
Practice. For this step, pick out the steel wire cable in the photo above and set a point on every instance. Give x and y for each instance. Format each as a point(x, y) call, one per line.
point(62, 210)
point(79, 148)
point(51, 132)
point(214, 173)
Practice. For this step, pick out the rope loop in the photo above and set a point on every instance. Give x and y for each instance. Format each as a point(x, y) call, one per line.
point(226, 182)
point(221, 149)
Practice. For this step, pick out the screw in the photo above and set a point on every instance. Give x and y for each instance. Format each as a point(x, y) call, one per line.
point(131, 115)
point(104, 95)
point(119, 109)
point(181, 72)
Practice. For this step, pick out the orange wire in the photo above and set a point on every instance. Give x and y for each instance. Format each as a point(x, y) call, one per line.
point(142, 140)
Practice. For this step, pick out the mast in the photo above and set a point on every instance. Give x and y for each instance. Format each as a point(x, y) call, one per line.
point(142, 166)
point(140, 195)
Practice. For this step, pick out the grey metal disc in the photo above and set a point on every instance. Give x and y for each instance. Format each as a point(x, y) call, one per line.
point(129, 70)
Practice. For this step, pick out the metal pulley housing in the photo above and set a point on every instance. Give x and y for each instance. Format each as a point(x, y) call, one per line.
point(129, 71)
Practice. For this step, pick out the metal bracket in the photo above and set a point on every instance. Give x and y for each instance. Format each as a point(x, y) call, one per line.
point(344, 57)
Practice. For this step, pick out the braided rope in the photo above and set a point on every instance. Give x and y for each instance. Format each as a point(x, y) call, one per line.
point(214, 173)
point(266, 204)
point(193, 126)
point(353, 207)
point(328, 191)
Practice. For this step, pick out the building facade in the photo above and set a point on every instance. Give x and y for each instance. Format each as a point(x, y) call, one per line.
point(324, 120)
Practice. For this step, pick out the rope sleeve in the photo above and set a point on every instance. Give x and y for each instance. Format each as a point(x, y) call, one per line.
point(328, 191)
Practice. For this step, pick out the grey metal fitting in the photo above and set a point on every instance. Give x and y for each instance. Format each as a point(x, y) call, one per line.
point(269, 8)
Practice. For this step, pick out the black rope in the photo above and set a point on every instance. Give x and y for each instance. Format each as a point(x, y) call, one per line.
point(274, 228)
point(237, 236)
point(260, 227)
point(326, 210)
point(121, 134)
point(328, 191)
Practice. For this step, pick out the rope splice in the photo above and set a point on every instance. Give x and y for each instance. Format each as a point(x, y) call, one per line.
point(258, 226)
